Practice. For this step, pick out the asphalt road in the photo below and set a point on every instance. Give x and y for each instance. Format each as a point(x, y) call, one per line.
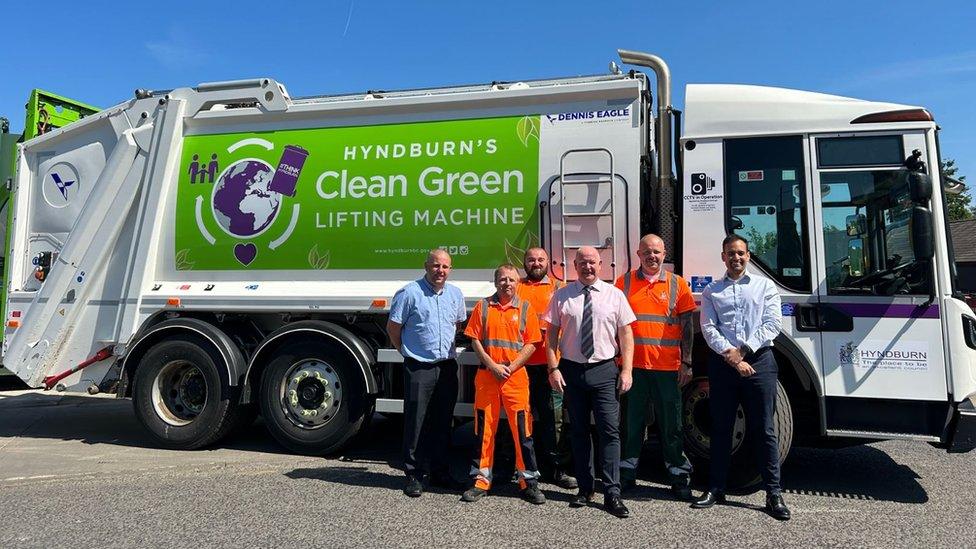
point(79, 471)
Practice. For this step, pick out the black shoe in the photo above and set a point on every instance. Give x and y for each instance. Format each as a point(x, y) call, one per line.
point(708, 499)
point(681, 492)
point(616, 507)
point(564, 481)
point(776, 507)
point(413, 488)
point(473, 494)
point(581, 499)
point(533, 495)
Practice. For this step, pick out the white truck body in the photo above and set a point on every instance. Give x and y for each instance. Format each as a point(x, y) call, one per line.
point(247, 222)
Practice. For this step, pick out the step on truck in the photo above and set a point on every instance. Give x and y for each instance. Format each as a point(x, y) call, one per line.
point(217, 251)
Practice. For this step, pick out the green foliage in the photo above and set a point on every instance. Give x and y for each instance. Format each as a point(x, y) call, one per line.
point(760, 243)
point(959, 205)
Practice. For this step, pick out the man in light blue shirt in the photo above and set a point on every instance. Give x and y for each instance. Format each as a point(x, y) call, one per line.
point(740, 317)
point(424, 317)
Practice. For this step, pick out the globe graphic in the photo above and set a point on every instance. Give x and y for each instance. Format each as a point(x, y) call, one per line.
point(242, 203)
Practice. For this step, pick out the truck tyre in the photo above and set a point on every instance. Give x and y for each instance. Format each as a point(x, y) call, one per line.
point(744, 468)
point(180, 396)
point(313, 397)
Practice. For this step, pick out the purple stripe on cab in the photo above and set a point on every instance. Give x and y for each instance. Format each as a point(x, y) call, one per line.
point(882, 310)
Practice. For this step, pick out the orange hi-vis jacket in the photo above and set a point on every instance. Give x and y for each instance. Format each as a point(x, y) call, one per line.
point(538, 294)
point(504, 329)
point(657, 304)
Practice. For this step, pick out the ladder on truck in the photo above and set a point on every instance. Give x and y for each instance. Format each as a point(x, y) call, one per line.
point(595, 180)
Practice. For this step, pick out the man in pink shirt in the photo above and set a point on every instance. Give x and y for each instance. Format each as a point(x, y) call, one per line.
point(590, 323)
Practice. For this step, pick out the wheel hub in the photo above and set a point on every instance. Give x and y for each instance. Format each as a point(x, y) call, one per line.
point(311, 393)
point(179, 393)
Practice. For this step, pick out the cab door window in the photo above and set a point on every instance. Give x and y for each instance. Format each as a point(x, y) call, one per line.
point(867, 221)
point(764, 203)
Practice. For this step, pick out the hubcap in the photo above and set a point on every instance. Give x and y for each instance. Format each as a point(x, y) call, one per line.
point(179, 393)
point(311, 393)
point(698, 421)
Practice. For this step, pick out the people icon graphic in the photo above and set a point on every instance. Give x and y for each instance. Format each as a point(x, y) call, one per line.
point(206, 174)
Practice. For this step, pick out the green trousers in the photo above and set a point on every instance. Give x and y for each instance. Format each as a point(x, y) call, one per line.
point(660, 391)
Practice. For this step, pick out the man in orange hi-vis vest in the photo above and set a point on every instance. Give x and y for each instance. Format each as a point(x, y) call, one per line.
point(550, 422)
point(504, 331)
point(663, 337)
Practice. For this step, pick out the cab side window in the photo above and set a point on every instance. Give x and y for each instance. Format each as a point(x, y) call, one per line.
point(866, 209)
point(764, 203)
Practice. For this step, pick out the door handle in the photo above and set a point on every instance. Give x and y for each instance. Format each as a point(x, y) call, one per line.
point(807, 318)
point(821, 317)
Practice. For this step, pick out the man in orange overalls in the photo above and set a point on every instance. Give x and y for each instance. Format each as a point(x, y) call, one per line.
point(663, 337)
point(504, 331)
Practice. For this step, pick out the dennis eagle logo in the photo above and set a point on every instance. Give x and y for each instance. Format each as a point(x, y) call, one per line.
point(60, 185)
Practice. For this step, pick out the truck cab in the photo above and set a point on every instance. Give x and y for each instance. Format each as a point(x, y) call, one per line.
point(843, 206)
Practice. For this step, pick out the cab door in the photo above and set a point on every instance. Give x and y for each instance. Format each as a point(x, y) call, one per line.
point(880, 334)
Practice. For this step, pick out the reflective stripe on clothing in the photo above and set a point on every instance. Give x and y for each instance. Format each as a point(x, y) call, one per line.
point(503, 330)
point(538, 294)
point(491, 396)
point(658, 303)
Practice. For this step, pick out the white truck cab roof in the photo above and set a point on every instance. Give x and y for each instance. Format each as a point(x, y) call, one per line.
point(728, 110)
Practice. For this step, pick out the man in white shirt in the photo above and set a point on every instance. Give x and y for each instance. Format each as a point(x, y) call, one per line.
point(740, 317)
point(589, 321)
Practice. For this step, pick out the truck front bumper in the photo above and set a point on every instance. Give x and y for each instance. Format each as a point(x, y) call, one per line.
point(962, 437)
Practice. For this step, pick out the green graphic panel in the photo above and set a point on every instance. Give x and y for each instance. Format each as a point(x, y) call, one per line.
point(373, 197)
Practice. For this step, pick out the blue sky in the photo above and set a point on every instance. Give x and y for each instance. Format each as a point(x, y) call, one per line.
point(919, 53)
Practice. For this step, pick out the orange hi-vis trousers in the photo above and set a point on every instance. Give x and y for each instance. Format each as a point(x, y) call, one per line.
point(490, 396)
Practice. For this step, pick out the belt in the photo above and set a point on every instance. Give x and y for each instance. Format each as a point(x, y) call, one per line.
point(441, 362)
point(585, 365)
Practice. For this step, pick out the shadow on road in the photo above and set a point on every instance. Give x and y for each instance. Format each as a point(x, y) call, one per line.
point(857, 472)
point(100, 421)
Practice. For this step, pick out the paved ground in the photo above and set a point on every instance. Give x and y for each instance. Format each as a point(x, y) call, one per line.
point(78, 471)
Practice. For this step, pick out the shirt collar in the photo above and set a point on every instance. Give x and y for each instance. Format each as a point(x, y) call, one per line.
point(544, 282)
point(429, 287)
point(595, 286)
point(514, 303)
point(643, 276)
point(745, 278)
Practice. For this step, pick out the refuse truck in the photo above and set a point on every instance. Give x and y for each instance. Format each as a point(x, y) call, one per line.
point(223, 250)
point(45, 111)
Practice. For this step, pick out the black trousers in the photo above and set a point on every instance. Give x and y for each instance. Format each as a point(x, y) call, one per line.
point(592, 388)
point(550, 432)
point(757, 395)
point(428, 411)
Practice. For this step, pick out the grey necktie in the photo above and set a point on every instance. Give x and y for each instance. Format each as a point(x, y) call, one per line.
point(586, 327)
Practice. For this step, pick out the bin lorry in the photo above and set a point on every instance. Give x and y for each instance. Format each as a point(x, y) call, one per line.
point(216, 251)
point(45, 111)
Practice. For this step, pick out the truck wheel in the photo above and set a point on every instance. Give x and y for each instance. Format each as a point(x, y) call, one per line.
point(744, 468)
point(313, 398)
point(179, 394)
